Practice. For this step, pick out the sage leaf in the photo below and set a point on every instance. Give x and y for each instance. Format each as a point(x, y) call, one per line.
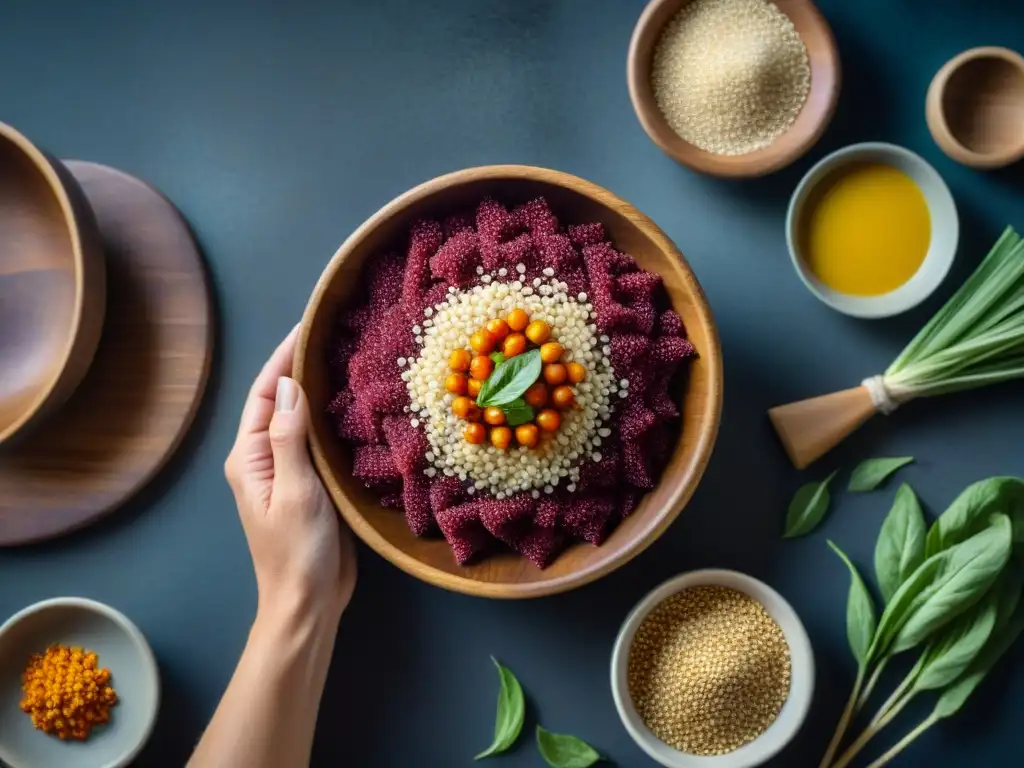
point(562, 751)
point(949, 656)
point(970, 568)
point(510, 379)
point(807, 508)
point(871, 473)
point(517, 412)
point(508, 722)
point(861, 619)
point(899, 549)
point(971, 510)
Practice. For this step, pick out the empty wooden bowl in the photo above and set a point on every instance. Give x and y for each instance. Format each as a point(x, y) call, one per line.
point(975, 107)
point(573, 200)
point(52, 283)
point(810, 124)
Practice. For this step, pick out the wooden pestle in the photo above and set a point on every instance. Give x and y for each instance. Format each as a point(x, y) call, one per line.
point(811, 428)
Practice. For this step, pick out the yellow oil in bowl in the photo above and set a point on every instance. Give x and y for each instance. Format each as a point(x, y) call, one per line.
point(866, 229)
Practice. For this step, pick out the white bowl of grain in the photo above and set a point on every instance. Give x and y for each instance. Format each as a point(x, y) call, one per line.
point(718, 664)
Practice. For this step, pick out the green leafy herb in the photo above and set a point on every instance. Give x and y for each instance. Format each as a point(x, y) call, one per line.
point(497, 357)
point(861, 620)
point(900, 546)
point(807, 508)
point(510, 379)
point(561, 751)
point(871, 473)
point(951, 653)
point(517, 412)
point(971, 510)
point(511, 711)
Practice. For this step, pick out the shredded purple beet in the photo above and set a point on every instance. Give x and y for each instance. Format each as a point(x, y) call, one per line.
point(648, 345)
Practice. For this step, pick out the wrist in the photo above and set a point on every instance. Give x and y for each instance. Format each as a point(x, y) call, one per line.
point(293, 617)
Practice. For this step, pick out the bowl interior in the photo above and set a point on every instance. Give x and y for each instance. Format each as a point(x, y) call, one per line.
point(39, 275)
point(945, 230)
point(983, 104)
point(510, 575)
point(798, 139)
point(133, 673)
point(794, 711)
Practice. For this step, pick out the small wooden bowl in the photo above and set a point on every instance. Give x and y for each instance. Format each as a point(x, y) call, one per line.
point(52, 283)
point(573, 201)
point(797, 140)
point(975, 108)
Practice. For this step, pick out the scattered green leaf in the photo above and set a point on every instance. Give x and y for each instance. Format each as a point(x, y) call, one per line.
point(511, 711)
point(871, 473)
point(900, 546)
point(807, 508)
point(861, 618)
point(510, 379)
point(517, 412)
point(562, 751)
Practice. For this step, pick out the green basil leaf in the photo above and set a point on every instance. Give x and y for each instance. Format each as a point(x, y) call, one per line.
point(510, 379)
point(871, 473)
point(517, 412)
point(561, 751)
point(954, 696)
point(807, 508)
point(952, 652)
point(511, 712)
point(970, 512)
point(900, 546)
point(969, 571)
point(497, 357)
point(861, 619)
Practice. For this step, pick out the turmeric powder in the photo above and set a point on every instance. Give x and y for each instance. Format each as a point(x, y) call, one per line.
point(66, 693)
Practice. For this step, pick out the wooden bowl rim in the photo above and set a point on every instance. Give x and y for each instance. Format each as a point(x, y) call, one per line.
point(687, 481)
point(56, 184)
point(936, 115)
point(761, 162)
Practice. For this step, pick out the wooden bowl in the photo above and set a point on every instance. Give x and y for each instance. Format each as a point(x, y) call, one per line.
point(52, 283)
point(975, 107)
point(797, 140)
point(573, 201)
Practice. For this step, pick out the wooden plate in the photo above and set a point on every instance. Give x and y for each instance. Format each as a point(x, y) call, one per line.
point(138, 398)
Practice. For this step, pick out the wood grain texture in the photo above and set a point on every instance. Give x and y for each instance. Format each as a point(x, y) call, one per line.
point(52, 284)
point(975, 108)
point(811, 428)
point(826, 75)
point(574, 201)
point(139, 397)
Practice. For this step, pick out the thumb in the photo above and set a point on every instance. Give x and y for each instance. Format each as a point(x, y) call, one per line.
point(289, 430)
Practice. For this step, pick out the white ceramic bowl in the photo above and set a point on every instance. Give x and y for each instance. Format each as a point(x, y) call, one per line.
point(945, 233)
point(121, 648)
point(779, 733)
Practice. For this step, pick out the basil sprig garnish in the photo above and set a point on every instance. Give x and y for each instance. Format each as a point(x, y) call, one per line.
point(510, 379)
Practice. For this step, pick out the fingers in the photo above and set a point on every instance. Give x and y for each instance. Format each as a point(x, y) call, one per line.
point(259, 407)
point(289, 433)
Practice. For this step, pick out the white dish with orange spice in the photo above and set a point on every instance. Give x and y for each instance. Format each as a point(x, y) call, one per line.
point(766, 621)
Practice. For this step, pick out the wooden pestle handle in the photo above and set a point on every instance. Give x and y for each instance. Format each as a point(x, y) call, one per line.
point(811, 428)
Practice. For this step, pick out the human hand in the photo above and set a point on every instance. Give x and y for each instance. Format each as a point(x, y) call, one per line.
point(303, 555)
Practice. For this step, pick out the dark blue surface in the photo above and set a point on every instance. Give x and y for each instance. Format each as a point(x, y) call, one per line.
point(278, 127)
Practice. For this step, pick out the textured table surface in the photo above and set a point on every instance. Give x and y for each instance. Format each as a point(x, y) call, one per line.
point(278, 127)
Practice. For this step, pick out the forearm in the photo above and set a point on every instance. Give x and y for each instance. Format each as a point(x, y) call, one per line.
point(268, 714)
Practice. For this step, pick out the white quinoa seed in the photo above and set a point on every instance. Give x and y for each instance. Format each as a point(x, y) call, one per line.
point(730, 76)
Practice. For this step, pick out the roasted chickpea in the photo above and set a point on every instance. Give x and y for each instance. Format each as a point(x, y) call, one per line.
point(549, 420)
point(456, 383)
point(562, 397)
point(518, 319)
point(459, 360)
point(481, 367)
point(538, 331)
point(514, 344)
point(494, 416)
point(536, 395)
point(554, 373)
point(473, 387)
point(465, 408)
point(475, 433)
point(551, 352)
point(575, 372)
point(498, 329)
point(482, 342)
point(527, 435)
point(501, 437)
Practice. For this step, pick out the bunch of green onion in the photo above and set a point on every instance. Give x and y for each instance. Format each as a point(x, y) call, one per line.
point(976, 339)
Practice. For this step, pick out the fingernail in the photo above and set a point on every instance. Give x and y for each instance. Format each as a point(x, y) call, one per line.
point(287, 394)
